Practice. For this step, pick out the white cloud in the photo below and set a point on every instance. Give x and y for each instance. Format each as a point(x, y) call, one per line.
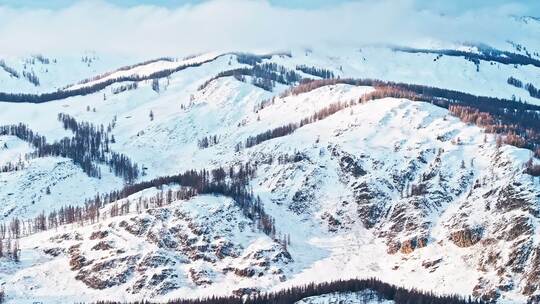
point(241, 25)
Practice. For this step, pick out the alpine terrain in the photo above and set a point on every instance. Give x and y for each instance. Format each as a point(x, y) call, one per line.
point(369, 174)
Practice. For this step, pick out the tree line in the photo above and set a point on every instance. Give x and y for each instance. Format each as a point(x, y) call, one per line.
point(124, 68)
point(88, 145)
point(251, 59)
point(12, 167)
point(91, 212)
point(517, 123)
point(533, 91)
point(10, 250)
point(42, 59)
point(319, 72)
point(125, 87)
point(91, 144)
point(11, 71)
point(325, 112)
point(264, 76)
point(90, 89)
point(232, 182)
point(383, 291)
point(31, 77)
point(208, 141)
point(9, 244)
point(484, 54)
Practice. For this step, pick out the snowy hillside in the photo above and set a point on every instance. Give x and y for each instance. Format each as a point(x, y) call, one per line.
point(340, 180)
point(41, 73)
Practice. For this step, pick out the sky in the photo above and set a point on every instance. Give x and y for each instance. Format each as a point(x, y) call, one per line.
point(180, 27)
point(444, 6)
point(307, 4)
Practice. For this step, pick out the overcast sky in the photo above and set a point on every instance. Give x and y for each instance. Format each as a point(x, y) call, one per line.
point(449, 6)
point(180, 27)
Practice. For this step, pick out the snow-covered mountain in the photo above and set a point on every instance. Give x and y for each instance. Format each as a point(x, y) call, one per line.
point(393, 188)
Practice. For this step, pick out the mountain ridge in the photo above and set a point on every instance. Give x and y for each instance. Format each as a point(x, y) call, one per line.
point(387, 187)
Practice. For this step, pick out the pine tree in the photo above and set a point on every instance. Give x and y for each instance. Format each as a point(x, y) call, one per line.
point(155, 85)
point(16, 252)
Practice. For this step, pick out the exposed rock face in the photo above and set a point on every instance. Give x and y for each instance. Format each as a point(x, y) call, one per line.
point(98, 235)
point(368, 192)
point(370, 202)
point(201, 276)
point(103, 245)
point(407, 246)
point(503, 244)
point(521, 225)
point(421, 196)
point(240, 292)
point(510, 198)
point(424, 200)
point(432, 265)
point(262, 261)
point(466, 237)
point(112, 272)
point(77, 260)
point(53, 251)
point(179, 234)
point(532, 285)
point(137, 226)
point(351, 166)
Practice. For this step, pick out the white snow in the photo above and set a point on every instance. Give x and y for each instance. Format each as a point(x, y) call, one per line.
point(385, 135)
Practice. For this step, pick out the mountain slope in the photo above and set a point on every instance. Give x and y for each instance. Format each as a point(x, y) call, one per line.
point(391, 188)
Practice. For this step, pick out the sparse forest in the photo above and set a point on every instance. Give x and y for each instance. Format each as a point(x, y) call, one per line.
point(125, 87)
point(383, 291)
point(319, 72)
point(208, 141)
point(533, 91)
point(263, 75)
point(89, 144)
point(31, 77)
point(11, 71)
point(90, 89)
point(517, 123)
point(232, 182)
point(484, 54)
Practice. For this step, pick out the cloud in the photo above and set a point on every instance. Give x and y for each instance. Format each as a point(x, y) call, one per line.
point(147, 30)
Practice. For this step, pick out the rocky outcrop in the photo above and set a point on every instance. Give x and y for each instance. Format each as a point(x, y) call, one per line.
point(351, 166)
point(466, 237)
point(77, 261)
point(200, 276)
point(103, 245)
point(370, 202)
point(432, 264)
point(98, 235)
point(240, 292)
point(54, 251)
point(407, 246)
point(204, 237)
point(136, 226)
point(532, 277)
point(109, 273)
point(519, 226)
